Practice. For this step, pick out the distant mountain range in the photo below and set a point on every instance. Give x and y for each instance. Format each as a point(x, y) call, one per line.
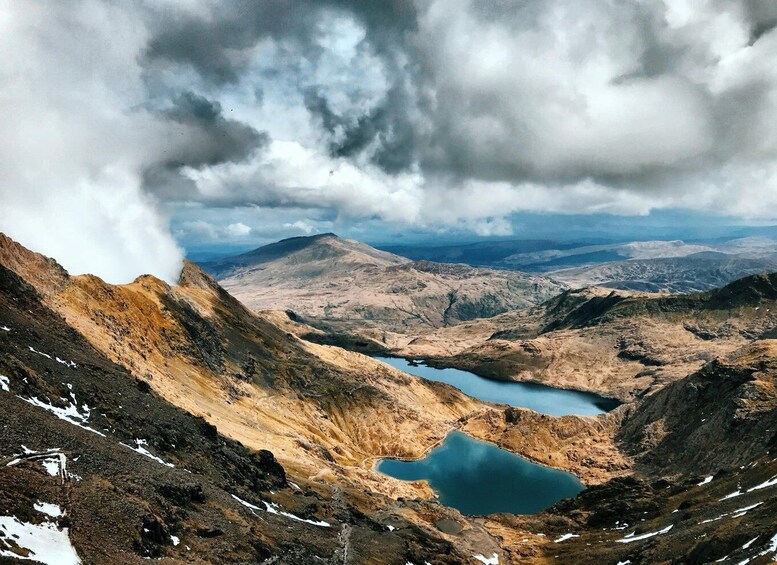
point(654, 266)
point(327, 278)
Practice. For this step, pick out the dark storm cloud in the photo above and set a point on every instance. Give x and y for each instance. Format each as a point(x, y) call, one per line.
point(217, 47)
point(215, 139)
point(208, 139)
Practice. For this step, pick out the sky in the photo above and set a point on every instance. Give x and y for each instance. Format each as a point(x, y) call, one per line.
point(133, 132)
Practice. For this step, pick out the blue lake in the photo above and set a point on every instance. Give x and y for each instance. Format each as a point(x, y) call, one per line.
point(479, 478)
point(540, 398)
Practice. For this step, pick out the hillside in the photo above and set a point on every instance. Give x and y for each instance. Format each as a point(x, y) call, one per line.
point(154, 421)
point(648, 266)
point(346, 284)
point(691, 273)
point(617, 343)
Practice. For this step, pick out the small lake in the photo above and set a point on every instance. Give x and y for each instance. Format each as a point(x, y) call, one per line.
point(476, 477)
point(537, 397)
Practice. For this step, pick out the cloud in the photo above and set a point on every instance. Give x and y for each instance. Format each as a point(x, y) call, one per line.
point(429, 114)
point(236, 230)
point(524, 103)
point(81, 136)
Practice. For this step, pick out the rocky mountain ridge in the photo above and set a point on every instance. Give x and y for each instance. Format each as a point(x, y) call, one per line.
point(343, 284)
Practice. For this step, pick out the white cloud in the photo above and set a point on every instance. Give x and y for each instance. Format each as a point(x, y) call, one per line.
point(72, 148)
point(237, 230)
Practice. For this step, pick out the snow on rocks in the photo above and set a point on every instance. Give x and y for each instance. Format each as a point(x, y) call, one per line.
point(53, 460)
point(771, 482)
point(565, 537)
point(69, 413)
point(273, 508)
point(46, 355)
point(66, 363)
point(44, 543)
point(48, 509)
point(631, 537)
point(493, 560)
point(140, 448)
point(735, 514)
point(771, 547)
point(4, 382)
point(734, 494)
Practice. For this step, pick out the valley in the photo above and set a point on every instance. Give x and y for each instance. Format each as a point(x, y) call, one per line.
point(178, 374)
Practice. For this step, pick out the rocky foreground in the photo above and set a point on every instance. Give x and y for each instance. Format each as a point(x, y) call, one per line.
point(148, 420)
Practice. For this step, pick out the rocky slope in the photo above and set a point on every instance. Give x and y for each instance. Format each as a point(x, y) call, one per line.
point(150, 351)
point(343, 284)
point(617, 343)
point(193, 430)
point(692, 273)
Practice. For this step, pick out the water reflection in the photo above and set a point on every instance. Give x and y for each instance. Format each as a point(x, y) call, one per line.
point(479, 478)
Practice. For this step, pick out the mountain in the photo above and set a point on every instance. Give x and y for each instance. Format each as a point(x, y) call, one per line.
point(154, 421)
point(348, 284)
point(617, 343)
point(691, 273)
point(160, 404)
point(650, 266)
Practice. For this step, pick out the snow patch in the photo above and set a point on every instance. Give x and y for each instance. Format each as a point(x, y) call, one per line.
point(493, 560)
point(48, 509)
point(273, 508)
point(5, 328)
point(735, 514)
point(70, 364)
point(45, 542)
point(54, 462)
point(631, 537)
point(706, 480)
point(771, 482)
point(734, 494)
point(69, 413)
point(175, 540)
point(565, 537)
point(46, 355)
point(4, 382)
point(139, 448)
point(748, 544)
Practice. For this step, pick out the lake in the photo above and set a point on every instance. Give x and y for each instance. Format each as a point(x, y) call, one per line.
point(537, 397)
point(476, 477)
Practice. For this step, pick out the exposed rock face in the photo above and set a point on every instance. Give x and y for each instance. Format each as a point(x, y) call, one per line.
point(343, 284)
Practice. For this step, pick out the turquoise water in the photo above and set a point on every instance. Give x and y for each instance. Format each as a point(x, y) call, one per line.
point(479, 478)
point(540, 398)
